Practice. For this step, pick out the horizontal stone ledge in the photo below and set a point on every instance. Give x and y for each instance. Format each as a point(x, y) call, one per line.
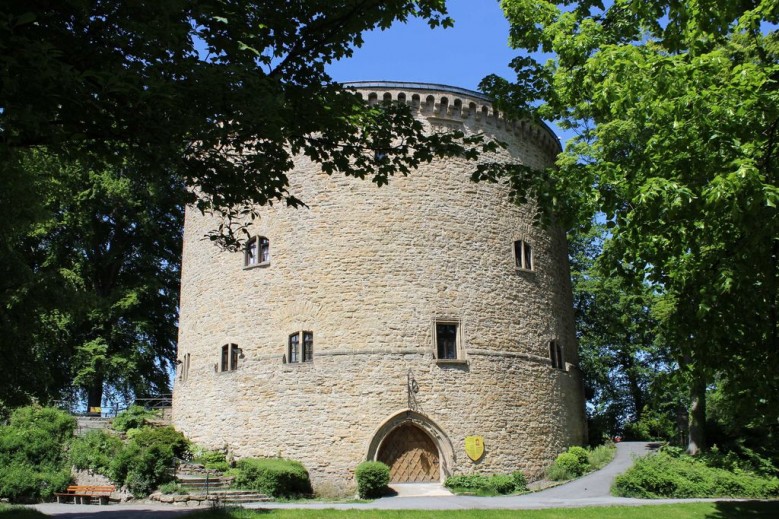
point(374, 351)
point(512, 354)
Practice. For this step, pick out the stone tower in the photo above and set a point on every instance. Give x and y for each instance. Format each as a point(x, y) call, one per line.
point(387, 323)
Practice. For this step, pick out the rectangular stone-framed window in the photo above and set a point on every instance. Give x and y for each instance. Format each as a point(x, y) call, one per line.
point(300, 347)
point(256, 252)
point(447, 340)
point(229, 358)
point(523, 255)
point(556, 355)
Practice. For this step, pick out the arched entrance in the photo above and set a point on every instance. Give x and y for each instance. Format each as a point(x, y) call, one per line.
point(411, 455)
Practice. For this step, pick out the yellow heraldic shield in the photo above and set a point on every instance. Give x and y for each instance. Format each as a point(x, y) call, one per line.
point(474, 447)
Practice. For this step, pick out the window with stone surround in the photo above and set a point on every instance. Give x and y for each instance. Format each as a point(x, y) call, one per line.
point(447, 340)
point(230, 355)
point(256, 252)
point(523, 255)
point(556, 355)
point(300, 347)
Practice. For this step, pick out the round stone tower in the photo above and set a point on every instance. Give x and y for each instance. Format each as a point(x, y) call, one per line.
point(395, 323)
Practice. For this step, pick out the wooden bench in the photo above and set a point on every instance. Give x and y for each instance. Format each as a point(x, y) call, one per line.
point(86, 494)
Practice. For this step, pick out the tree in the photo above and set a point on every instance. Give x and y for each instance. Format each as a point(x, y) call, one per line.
point(102, 260)
point(114, 114)
point(222, 93)
point(676, 109)
point(631, 380)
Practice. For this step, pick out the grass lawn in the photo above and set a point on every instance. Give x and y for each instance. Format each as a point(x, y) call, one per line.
point(19, 512)
point(749, 509)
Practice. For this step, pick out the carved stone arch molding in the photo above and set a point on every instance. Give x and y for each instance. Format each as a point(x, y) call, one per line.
point(437, 435)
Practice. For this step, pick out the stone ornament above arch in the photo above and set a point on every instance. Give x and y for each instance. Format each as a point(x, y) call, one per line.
point(407, 416)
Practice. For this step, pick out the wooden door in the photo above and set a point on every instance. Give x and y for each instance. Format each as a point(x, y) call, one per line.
point(411, 456)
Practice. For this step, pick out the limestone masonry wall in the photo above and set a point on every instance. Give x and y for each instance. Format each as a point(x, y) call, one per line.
point(370, 271)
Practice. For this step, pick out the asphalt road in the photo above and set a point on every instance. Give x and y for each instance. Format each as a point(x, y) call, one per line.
point(591, 490)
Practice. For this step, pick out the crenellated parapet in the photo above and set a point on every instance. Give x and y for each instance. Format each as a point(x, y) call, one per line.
point(453, 108)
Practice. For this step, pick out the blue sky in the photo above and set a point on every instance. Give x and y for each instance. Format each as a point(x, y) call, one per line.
point(460, 56)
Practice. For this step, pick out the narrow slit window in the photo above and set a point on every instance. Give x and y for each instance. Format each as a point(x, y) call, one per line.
point(294, 347)
point(556, 355)
point(229, 359)
point(183, 366)
point(225, 366)
point(523, 255)
point(308, 346)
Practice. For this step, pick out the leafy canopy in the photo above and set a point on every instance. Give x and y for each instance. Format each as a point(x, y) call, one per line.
point(224, 94)
point(675, 107)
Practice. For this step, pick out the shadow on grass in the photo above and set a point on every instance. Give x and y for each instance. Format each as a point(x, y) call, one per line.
point(740, 509)
point(21, 512)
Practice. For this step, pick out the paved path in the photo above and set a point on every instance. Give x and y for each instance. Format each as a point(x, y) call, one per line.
point(591, 490)
point(598, 484)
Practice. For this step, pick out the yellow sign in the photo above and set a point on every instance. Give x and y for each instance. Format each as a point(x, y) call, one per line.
point(474, 447)
point(95, 410)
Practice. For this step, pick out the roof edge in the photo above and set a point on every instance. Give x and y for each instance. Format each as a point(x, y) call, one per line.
point(439, 87)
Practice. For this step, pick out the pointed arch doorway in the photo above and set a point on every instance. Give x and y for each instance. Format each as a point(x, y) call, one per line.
point(411, 456)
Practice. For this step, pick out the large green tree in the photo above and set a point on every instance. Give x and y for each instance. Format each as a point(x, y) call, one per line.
point(95, 292)
point(224, 93)
point(676, 109)
point(115, 113)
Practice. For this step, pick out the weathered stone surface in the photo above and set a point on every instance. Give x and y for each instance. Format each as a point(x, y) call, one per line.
point(369, 271)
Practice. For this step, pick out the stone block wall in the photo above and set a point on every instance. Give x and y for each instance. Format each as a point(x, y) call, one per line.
point(370, 271)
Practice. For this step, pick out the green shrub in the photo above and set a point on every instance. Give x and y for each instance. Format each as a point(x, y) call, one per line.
point(218, 466)
point(94, 451)
point(162, 436)
point(577, 461)
point(520, 481)
point(275, 477)
point(173, 487)
point(146, 461)
point(32, 458)
point(142, 469)
point(204, 457)
point(498, 484)
point(653, 425)
point(570, 463)
point(501, 484)
point(21, 483)
point(744, 459)
point(372, 479)
point(557, 472)
point(663, 475)
point(467, 482)
point(134, 417)
point(581, 455)
point(601, 456)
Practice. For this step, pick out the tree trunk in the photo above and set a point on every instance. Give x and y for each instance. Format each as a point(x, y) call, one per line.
point(95, 394)
point(634, 384)
point(697, 437)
